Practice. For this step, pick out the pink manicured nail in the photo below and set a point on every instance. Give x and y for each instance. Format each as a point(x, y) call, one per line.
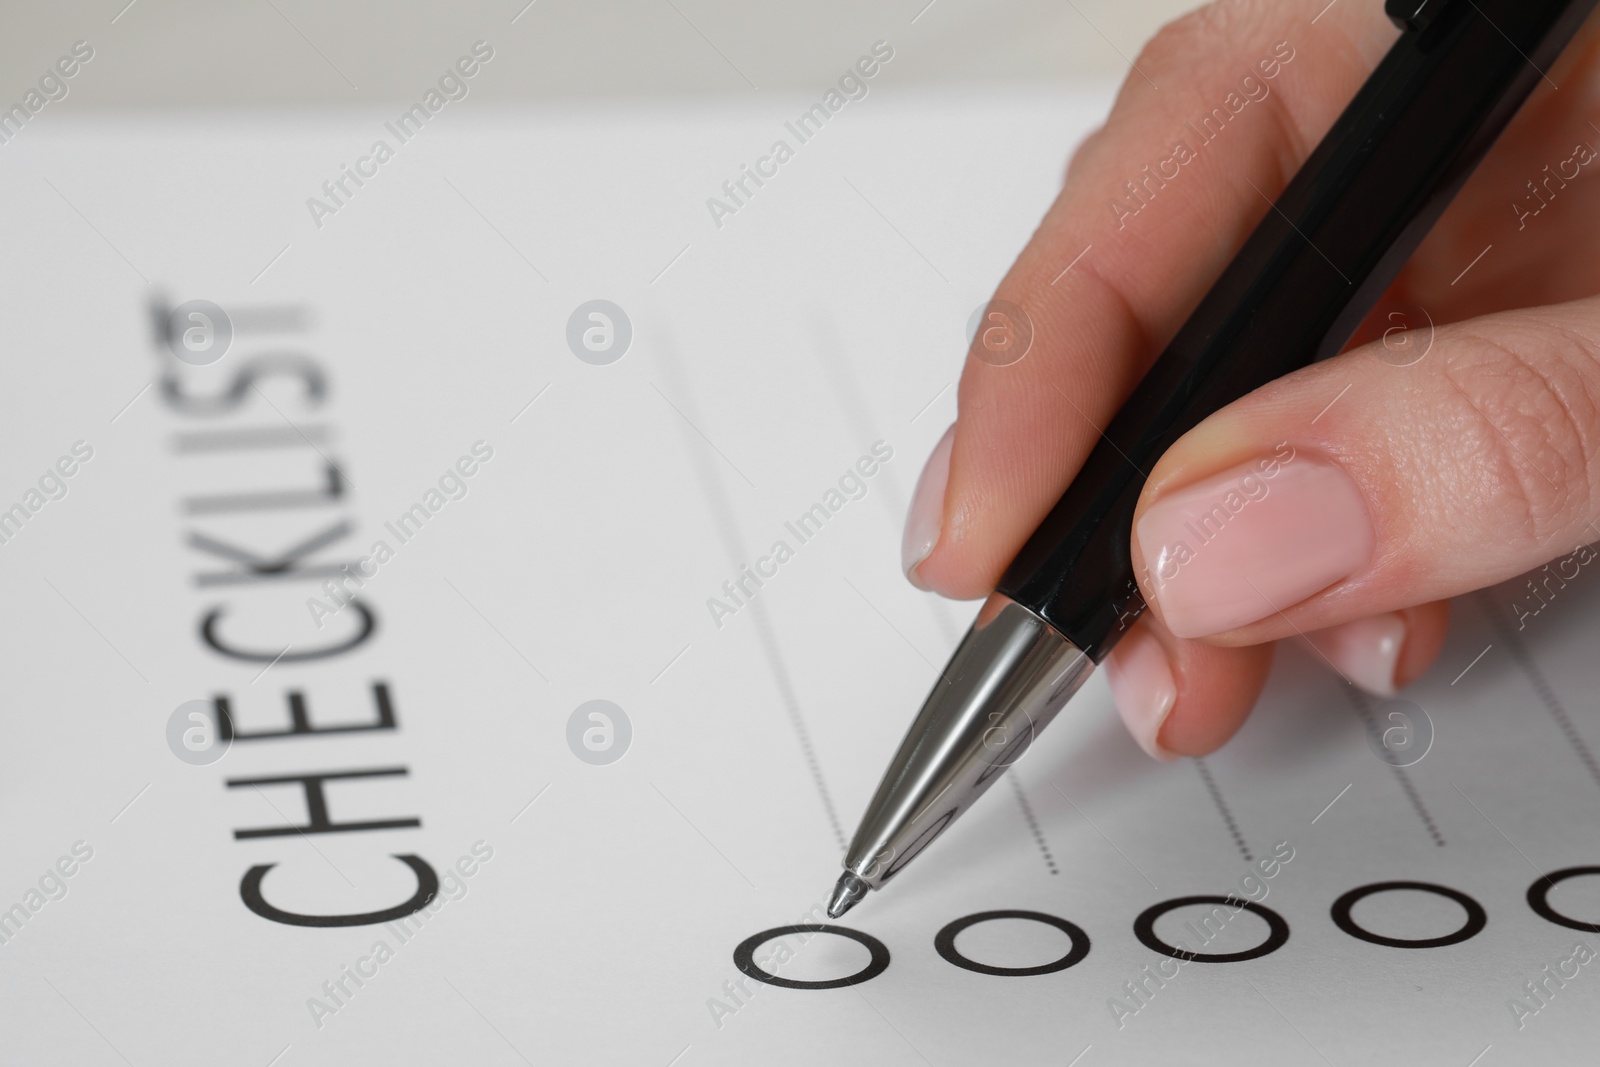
point(1141, 684)
point(1366, 651)
point(1252, 541)
point(927, 508)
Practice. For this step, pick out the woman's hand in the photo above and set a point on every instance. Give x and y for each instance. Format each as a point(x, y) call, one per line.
point(1453, 449)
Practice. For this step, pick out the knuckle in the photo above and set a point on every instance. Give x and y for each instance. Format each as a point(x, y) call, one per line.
point(1216, 41)
point(1205, 31)
point(1177, 44)
point(1172, 41)
point(1535, 392)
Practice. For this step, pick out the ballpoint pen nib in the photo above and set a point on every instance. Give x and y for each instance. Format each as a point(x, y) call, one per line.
point(846, 895)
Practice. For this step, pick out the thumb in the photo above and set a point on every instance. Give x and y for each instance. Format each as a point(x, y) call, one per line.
point(1355, 487)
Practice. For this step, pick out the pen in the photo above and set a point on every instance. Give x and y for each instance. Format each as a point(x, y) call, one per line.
point(1299, 287)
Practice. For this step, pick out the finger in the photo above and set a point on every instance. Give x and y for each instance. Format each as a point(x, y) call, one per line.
point(1153, 208)
point(1183, 698)
point(1187, 698)
point(1353, 488)
point(1384, 653)
point(1526, 202)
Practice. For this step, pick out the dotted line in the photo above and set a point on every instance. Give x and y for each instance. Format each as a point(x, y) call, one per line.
point(1227, 816)
point(1416, 802)
point(722, 511)
point(1033, 824)
point(780, 676)
point(1364, 708)
point(1552, 703)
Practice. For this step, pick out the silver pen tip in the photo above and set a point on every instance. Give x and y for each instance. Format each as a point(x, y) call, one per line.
point(846, 894)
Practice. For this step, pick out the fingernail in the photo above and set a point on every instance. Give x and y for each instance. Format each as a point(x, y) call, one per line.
point(927, 509)
point(1142, 686)
point(1366, 651)
point(1252, 541)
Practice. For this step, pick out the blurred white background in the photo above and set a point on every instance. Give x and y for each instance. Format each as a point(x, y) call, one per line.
point(201, 54)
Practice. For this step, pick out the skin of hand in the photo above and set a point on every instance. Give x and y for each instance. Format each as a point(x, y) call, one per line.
point(1452, 445)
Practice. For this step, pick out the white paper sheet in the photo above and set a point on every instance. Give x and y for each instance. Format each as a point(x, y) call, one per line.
point(604, 904)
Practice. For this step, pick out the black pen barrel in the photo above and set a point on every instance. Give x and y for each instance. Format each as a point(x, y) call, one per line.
point(1305, 278)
